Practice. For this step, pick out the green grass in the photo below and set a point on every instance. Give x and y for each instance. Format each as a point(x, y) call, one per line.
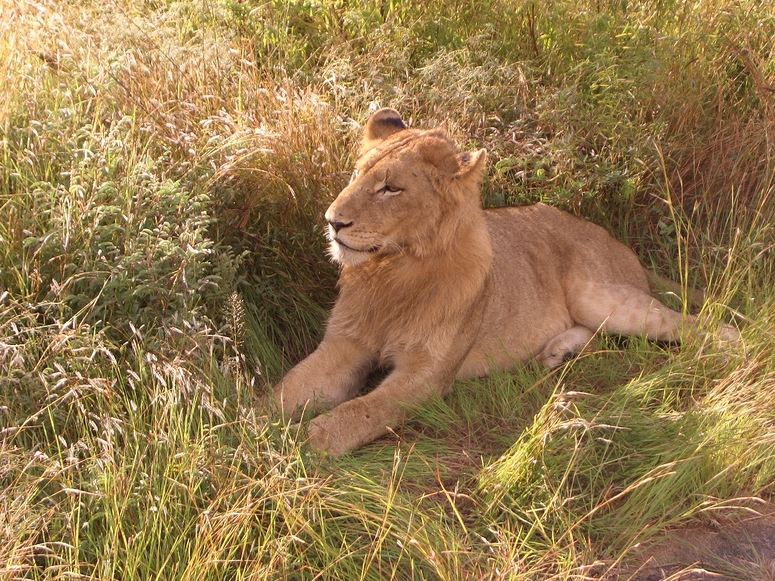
point(164, 167)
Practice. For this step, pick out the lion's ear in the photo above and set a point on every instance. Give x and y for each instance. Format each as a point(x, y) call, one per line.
point(381, 125)
point(472, 164)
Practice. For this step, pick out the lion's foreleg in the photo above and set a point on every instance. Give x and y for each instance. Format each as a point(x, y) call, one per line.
point(331, 374)
point(359, 421)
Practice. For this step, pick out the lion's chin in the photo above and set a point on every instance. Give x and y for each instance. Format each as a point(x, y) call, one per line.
point(347, 256)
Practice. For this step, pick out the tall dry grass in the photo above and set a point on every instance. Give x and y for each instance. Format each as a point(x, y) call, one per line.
point(163, 173)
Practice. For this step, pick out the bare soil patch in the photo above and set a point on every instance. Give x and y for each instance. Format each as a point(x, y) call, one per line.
point(739, 547)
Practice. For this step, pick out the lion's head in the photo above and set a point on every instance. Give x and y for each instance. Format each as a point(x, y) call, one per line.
point(410, 192)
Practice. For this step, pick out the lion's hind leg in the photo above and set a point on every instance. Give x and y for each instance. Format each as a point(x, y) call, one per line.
point(626, 310)
point(564, 346)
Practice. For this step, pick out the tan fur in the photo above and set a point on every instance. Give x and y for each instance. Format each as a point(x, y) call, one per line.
point(439, 289)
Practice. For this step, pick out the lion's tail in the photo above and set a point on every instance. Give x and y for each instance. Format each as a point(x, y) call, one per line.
point(658, 283)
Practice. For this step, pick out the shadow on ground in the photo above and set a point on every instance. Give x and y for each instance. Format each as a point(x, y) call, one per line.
point(741, 547)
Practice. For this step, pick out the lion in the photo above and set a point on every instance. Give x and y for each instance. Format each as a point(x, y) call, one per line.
point(436, 288)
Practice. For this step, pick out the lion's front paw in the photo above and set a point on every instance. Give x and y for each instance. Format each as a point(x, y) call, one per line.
point(291, 402)
point(325, 435)
point(345, 428)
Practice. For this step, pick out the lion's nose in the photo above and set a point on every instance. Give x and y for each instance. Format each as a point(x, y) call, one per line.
point(336, 225)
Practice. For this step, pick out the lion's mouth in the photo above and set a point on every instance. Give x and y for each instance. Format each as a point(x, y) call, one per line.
point(367, 250)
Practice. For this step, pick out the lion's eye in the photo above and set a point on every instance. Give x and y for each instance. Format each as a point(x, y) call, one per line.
point(390, 190)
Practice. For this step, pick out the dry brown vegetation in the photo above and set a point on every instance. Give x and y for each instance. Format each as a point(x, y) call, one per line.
point(163, 170)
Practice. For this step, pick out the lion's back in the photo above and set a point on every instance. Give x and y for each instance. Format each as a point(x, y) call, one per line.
point(554, 243)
